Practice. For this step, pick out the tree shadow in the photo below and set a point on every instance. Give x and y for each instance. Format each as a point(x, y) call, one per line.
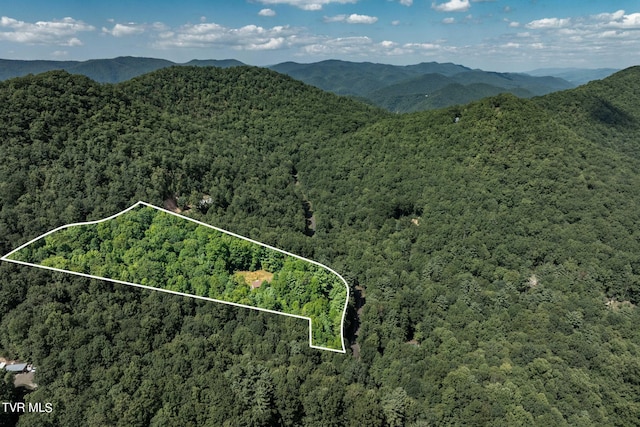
point(607, 113)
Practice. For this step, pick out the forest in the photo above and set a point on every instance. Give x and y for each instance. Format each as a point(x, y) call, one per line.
point(491, 251)
point(153, 248)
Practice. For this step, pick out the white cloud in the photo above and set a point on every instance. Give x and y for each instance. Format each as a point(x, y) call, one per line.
point(249, 37)
point(306, 4)
point(133, 29)
point(615, 16)
point(354, 18)
point(628, 21)
point(341, 45)
point(452, 6)
point(359, 46)
point(406, 2)
point(159, 26)
point(59, 53)
point(514, 24)
point(267, 12)
point(337, 18)
point(448, 20)
point(548, 23)
point(56, 32)
point(577, 29)
point(396, 22)
point(123, 30)
point(422, 46)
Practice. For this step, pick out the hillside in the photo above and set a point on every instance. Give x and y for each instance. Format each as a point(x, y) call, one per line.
point(604, 111)
point(432, 91)
point(403, 88)
point(495, 255)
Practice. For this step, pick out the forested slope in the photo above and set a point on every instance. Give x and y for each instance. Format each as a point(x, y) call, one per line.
point(498, 253)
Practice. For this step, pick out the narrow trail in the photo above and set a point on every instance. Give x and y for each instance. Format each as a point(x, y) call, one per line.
point(360, 299)
point(310, 219)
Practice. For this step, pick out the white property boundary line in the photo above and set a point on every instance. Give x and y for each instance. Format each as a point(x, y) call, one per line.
point(346, 302)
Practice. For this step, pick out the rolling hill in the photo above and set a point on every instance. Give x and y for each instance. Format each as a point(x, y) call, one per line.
point(494, 258)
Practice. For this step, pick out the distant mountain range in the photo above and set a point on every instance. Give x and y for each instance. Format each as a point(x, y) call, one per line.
point(417, 87)
point(576, 76)
point(114, 70)
point(395, 88)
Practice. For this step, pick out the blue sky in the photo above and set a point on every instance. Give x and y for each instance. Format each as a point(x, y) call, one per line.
point(500, 35)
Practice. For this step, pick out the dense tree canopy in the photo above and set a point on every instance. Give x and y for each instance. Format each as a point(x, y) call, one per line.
point(150, 247)
point(495, 256)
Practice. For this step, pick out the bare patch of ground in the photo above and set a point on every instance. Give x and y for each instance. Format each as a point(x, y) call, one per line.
point(171, 204)
point(255, 278)
point(25, 380)
point(614, 305)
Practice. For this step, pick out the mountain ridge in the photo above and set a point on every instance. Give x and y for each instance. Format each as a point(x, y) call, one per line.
point(364, 80)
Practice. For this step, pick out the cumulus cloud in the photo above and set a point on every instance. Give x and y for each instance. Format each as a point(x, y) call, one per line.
point(406, 2)
point(422, 46)
point(452, 6)
point(56, 32)
point(548, 23)
point(448, 20)
point(306, 4)
point(354, 18)
point(603, 39)
point(123, 30)
point(362, 46)
point(267, 12)
point(615, 16)
point(249, 37)
point(589, 25)
point(627, 21)
point(134, 29)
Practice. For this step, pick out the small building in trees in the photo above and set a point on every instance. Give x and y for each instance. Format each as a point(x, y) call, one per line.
point(16, 367)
